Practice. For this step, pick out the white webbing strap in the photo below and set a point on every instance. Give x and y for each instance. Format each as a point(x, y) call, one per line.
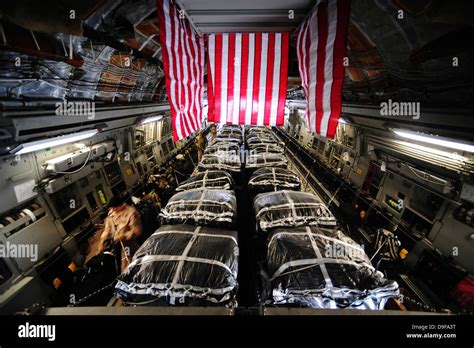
point(321, 236)
point(288, 180)
point(316, 262)
point(324, 270)
point(201, 199)
point(300, 193)
point(316, 205)
point(179, 290)
point(274, 180)
point(220, 183)
point(291, 203)
point(197, 215)
point(198, 202)
point(184, 255)
point(201, 234)
point(167, 258)
point(204, 179)
point(231, 163)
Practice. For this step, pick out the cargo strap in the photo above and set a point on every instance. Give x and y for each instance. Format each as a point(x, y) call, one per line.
point(167, 258)
point(324, 271)
point(179, 268)
point(314, 262)
point(200, 234)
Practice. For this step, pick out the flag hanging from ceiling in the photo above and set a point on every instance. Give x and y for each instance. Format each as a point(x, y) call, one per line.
point(247, 76)
point(321, 46)
point(183, 61)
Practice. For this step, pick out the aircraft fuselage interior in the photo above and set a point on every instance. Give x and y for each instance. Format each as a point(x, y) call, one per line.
point(137, 177)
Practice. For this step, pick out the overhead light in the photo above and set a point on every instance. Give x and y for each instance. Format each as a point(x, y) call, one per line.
point(51, 142)
point(431, 150)
point(151, 119)
point(342, 120)
point(435, 140)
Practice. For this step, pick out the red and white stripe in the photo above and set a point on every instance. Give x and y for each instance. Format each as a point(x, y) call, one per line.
point(247, 78)
point(183, 61)
point(321, 46)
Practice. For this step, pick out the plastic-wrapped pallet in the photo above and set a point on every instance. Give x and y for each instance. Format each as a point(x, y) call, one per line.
point(222, 142)
point(323, 268)
point(262, 160)
point(273, 179)
point(255, 131)
point(223, 147)
point(291, 209)
point(205, 207)
point(233, 137)
point(264, 148)
point(231, 127)
point(231, 130)
point(212, 179)
point(230, 162)
point(252, 133)
point(261, 139)
point(183, 265)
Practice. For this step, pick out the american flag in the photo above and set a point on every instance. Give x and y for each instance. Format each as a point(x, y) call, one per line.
point(183, 61)
point(321, 46)
point(247, 78)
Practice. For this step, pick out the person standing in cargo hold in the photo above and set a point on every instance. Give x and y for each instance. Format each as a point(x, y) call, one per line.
point(123, 226)
point(164, 190)
point(201, 143)
point(213, 131)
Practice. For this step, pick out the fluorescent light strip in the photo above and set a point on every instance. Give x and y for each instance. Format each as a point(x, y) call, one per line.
point(151, 119)
point(435, 141)
point(56, 141)
point(430, 150)
point(67, 156)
